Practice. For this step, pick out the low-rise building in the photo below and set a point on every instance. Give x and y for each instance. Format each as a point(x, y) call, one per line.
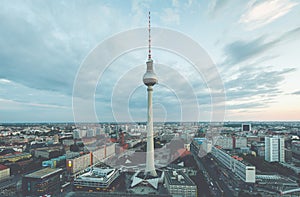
point(228, 142)
point(15, 157)
point(259, 148)
point(67, 142)
point(48, 153)
point(288, 155)
point(201, 146)
point(239, 142)
point(4, 172)
point(167, 136)
point(225, 142)
point(179, 184)
point(97, 178)
point(46, 181)
point(296, 149)
point(254, 138)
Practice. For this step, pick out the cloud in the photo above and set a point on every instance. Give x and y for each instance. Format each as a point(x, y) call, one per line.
point(139, 11)
point(217, 5)
point(128, 94)
point(19, 111)
point(4, 81)
point(175, 3)
point(241, 50)
point(247, 105)
point(265, 12)
point(45, 42)
point(254, 87)
point(291, 34)
point(296, 92)
point(13, 102)
point(25, 96)
point(170, 16)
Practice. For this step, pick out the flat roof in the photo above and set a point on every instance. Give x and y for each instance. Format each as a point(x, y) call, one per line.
point(231, 155)
point(173, 179)
point(98, 174)
point(43, 173)
point(111, 194)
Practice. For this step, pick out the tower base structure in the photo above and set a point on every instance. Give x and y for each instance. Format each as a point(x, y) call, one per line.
point(144, 178)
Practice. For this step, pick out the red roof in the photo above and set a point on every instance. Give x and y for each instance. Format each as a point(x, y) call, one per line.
point(3, 167)
point(182, 152)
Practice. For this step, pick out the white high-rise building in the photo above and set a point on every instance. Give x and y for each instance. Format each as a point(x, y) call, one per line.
point(274, 148)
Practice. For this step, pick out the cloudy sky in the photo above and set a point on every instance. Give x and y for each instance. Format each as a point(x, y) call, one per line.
point(48, 49)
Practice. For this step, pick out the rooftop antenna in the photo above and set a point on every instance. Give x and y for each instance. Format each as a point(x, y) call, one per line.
point(149, 29)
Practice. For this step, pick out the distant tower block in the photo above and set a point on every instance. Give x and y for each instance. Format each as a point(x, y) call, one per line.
point(246, 127)
point(150, 80)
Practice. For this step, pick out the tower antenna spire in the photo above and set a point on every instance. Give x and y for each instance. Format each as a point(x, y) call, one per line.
point(149, 31)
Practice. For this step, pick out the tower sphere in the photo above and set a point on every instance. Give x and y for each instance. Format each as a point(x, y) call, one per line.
point(150, 78)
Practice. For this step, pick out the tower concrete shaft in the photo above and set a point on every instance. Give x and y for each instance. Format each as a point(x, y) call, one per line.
point(150, 168)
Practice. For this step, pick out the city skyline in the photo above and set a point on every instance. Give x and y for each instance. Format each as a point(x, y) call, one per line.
point(253, 45)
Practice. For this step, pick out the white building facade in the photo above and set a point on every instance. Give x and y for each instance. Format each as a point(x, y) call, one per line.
point(240, 168)
point(274, 149)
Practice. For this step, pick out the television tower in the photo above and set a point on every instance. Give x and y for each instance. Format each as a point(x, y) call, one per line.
point(150, 80)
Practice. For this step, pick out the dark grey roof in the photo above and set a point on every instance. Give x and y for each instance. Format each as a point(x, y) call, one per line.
point(173, 179)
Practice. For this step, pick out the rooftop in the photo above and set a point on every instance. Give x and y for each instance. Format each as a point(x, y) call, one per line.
point(141, 177)
point(110, 194)
point(98, 174)
point(43, 173)
point(3, 167)
point(240, 159)
point(178, 178)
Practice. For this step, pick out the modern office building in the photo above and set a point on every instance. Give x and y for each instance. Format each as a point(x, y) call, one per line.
point(296, 149)
point(274, 148)
point(246, 127)
point(4, 172)
point(244, 171)
point(81, 162)
point(240, 168)
point(77, 134)
point(225, 142)
point(97, 179)
point(239, 142)
point(48, 153)
point(98, 155)
point(259, 148)
point(46, 181)
point(90, 133)
point(254, 138)
point(228, 142)
point(78, 163)
point(201, 146)
point(179, 184)
point(288, 155)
